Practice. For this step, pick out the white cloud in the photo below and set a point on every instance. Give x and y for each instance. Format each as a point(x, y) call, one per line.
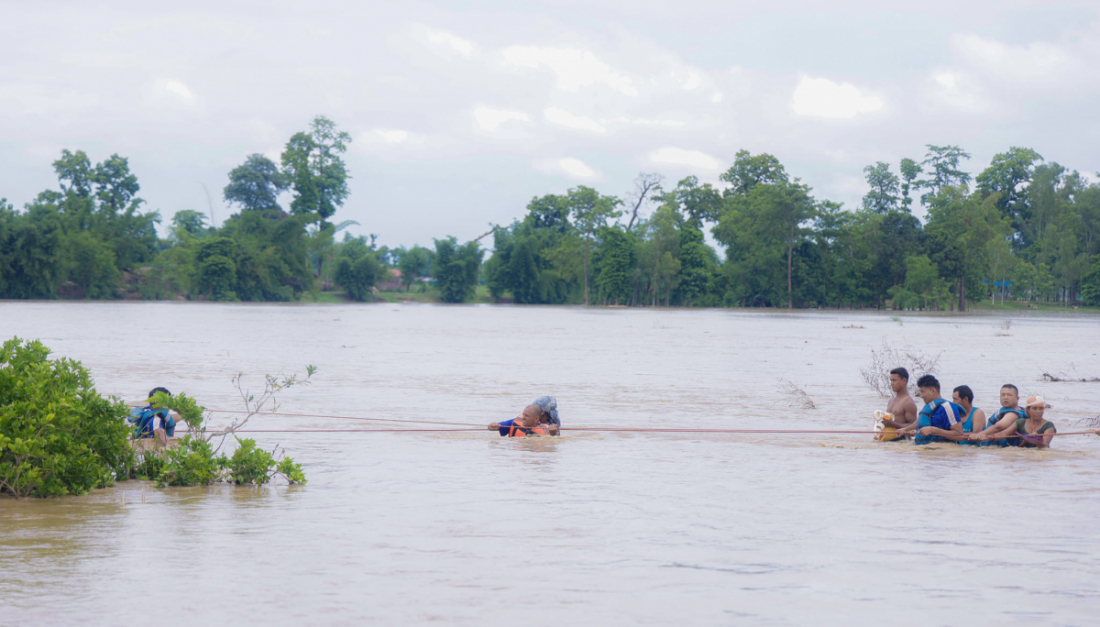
point(181, 90)
point(690, 158)
point(955, 90)
point(489, 119)
point(570, 167)
point(1034, 61)
point(574, 68)
point(716, 97)
point(649, 122)
point(442, 40)
point(576, 168)
point(562, 117)
point(392, 136)
point(946, 79)
point(822, 98)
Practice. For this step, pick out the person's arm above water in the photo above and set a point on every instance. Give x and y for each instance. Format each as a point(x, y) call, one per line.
point(955, 435)
point(1047, 433)
point(502, 427)
point(993, 431)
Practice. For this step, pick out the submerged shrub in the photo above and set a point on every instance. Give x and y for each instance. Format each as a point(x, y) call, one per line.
point(249, 464)
point(57, 434)
point(190, 463)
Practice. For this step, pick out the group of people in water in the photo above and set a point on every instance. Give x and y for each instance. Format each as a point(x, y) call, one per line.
point(940, 420)
point(958, 420)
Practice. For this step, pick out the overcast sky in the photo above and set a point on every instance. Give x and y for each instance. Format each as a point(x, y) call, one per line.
point(460, 112)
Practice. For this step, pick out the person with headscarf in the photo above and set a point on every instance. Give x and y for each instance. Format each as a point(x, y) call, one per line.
point(539, 418)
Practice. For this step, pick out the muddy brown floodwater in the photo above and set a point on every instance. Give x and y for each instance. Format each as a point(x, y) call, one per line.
point(593, 528)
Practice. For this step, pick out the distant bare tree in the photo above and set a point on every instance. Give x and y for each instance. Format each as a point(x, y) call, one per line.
point(647, 185)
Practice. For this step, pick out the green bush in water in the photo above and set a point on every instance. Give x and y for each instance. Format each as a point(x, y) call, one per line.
point(249, 464)
point(190, 463)
point(194, 462)
point(293, 472)
point(57, 434)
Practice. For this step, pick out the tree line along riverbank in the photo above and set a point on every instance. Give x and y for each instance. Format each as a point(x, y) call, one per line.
point(1023, 230)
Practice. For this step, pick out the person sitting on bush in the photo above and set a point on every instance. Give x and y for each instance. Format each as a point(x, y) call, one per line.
point(144, 417)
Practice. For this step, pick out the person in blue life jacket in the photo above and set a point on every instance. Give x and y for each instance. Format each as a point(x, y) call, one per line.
point(539, 418)
point(963, 398)
point(1035, 431)
point(1010, 411)
point(938, 413)
point(144, 416)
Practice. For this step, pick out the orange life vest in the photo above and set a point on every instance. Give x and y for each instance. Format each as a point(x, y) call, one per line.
point(518, 431)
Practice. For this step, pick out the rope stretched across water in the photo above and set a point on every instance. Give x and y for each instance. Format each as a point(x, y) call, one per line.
point(459, 426)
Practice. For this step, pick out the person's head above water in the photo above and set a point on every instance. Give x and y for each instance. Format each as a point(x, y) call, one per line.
point(153, 392)
point(929, 388)
point(899, 380)
point(531, 415)
point(963, 393)
point(548, 404)
point(1010, 395)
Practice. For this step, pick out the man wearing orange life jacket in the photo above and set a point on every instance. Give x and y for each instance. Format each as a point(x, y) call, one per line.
point(533, 421)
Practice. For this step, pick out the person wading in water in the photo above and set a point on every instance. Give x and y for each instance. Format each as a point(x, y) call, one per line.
point(538, 418)
point(1035, 431)
point(901, 410)
point(1009, 412)
point(962, 396)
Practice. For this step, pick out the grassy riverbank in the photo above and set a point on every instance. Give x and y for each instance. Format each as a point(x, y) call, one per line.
point(429, 295)
point(1014, 305)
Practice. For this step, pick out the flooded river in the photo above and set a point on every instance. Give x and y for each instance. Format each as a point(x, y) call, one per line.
point(592, 528)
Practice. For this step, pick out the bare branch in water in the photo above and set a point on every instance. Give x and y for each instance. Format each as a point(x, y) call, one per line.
point(877, 374)
point(254, 404)
point(1063, 377)
point(1093, 422)
point(798, 396)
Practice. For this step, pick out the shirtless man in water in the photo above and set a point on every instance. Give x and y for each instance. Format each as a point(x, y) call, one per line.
point(901, 407)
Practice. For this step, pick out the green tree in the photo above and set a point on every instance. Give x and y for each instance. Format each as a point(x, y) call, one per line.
point(696, 266)
point(1008, 175)
point(414, 263)
point(255, 185)
point(959, 229)
point(923, 287)
point(189, 222)
point(1090, 283)
point(315, 170)
point(910, 170)
point(217, 273)
point(358, 268)
point(613, 261)
point(748, 171)
point(884, 184)
point(456, 269)
point(698, 203)
point(590, 211)
point(92, 265)
point(942, 162)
